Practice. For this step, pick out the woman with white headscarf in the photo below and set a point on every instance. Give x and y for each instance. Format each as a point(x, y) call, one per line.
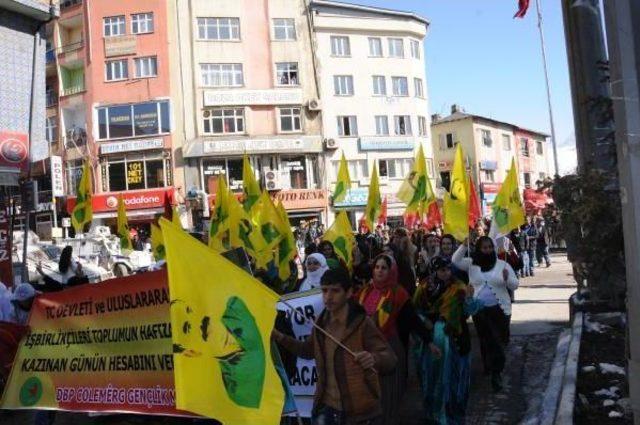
point(315, 265)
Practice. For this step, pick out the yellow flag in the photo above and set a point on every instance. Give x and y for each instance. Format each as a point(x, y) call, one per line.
point(340, 234)
point(456, 201)
point(416, 190)
point(123, 226)
point(222, 319)
point(157, 243)
point(508, 212)
point(287, 246)
point(250, 185)
point(83, 211)
point(175, 217)
point(344, 181)
point(374, 201)
point(243, 233)
point(219, 228)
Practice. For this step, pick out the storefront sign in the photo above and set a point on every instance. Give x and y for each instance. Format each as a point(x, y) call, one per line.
point(253, 97)
point(120, 45)
point(260, 145)
point(131, 146)
point(491, 187)
point(386, 143)
point(6, 271)
point(133, 200)
point(302, 199)
point(135, 172)
point(356, 197)
point(488, 165)
point(14, 150)
point(57, 180)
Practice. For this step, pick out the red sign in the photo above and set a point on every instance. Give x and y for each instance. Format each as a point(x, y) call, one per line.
point(491, 187)
point(534, 200)
point(133, 200)
point(6, 269)
point(14, 150)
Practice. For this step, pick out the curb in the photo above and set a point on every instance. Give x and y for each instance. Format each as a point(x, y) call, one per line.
point(549, 406)
point(566, 405)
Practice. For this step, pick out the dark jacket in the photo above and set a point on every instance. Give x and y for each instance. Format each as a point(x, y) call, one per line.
point(359, 389)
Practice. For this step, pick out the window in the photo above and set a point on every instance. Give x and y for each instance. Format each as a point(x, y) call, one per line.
point(296, 167)
point(382, 125)
point(142, 23)
point(394, 168)
point(526, 177)
point(213, 169)
point(146, 67)
point(449, 141)
point(343, 85)
point(488, 176)
point(375, 47)
point(415, 49)
point(506, 142)
point(358, 169)
point(223, 121)
point(116, 70)
point(223, 29)
point(139, 119)
point(445, 177)
point(284, 29)
point(400, 86)
point(417, 83)
point(74, 174)
point(348, 125)
point(287, 74)
point(340, 46)
point(290, 119)
point(396, 48)
point(402, 125)
point(51, 129)
point(486, 138)
point(135, 172)
point(539, 147)
point(379, 85)
point(114, 25)
point(422, 126)
point(524, 147)
point(222, 74)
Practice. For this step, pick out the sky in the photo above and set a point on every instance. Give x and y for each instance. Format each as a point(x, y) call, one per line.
point(481, 58)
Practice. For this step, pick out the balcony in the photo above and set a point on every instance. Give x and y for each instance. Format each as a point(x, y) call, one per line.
point(66, 4)
point(51, 99)
point(71, 47)
point(71, 90)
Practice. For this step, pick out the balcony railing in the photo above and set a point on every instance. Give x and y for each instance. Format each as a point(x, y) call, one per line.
point(79, 88)
point(65, 4)
point(51, 56)
point(51, 99)
point(70, 47)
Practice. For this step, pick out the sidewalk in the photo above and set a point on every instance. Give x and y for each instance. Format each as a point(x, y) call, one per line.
point(539, 314)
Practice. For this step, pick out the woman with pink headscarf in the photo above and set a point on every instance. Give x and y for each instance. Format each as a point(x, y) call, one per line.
point(388, 304)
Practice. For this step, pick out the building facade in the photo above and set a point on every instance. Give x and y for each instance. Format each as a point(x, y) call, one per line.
point(109, 101)
point(246, 82)
point(489, 146)
point(373, 87)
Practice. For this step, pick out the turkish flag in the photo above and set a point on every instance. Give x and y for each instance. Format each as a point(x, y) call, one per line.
point(523, 6)
point(475, 213)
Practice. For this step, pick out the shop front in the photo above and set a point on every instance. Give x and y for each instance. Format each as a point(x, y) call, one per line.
point(307, 205)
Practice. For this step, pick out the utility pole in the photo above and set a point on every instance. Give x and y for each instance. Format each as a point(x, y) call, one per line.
point(623, 36)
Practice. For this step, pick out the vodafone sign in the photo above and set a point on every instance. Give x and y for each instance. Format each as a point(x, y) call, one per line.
point(133, 200)
point(14, 150)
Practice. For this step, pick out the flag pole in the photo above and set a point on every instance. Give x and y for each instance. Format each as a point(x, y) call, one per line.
point(546, 78)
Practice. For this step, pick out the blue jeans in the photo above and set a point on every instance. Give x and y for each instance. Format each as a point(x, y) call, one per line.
point(543, 253)
point(532, 257)
point(526, 264)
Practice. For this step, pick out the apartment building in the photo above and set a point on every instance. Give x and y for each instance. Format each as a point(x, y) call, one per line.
point(371, 66)
point(245, 82)
point(108, 100)
point(489, 146)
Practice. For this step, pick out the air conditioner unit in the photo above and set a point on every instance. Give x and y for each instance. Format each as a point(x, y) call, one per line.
point(271, 180)
point(330, 144)
point(314, 105)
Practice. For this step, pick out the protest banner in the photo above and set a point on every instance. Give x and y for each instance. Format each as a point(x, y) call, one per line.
point(309, 305)
point(98, 348)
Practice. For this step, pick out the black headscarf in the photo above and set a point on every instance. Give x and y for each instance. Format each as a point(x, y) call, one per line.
point(486, 262)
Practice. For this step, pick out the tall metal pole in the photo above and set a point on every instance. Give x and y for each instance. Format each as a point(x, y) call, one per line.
point(546, 78)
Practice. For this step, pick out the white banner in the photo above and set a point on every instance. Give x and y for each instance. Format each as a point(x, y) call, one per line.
point(303, 384)
point(57, 181)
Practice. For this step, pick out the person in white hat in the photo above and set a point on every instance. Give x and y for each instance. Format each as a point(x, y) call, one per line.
point(21, 302)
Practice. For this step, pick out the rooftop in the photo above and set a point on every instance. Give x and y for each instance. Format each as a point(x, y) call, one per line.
point(364, 8)
point(459, 114)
